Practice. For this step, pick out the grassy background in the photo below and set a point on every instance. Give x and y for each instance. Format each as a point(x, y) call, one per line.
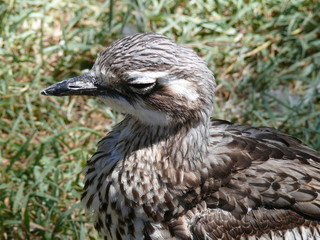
point(265, 56)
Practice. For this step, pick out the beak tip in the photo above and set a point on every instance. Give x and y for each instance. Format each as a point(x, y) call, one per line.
point(43, 92)
point(50, 91)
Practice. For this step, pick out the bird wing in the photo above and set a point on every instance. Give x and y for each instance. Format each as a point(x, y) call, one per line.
point(258, 181)
point(264, 168)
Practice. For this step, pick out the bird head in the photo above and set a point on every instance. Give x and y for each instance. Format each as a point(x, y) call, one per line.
point(149, 77)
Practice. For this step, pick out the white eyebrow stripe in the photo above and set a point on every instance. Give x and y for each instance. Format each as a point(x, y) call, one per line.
point(142, 80)
point(181, 87)
point(147, 74)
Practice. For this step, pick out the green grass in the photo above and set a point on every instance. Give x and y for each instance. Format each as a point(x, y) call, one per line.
point(265, 56)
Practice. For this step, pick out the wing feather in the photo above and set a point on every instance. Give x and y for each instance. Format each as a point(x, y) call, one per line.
point(257, 224)
point(269, 185)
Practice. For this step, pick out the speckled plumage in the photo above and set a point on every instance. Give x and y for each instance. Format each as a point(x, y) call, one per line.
point(168, 171)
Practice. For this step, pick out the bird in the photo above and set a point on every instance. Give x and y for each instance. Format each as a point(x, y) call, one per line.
point(169, 170)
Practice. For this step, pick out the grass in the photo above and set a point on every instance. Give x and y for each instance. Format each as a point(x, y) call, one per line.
point(265, 56)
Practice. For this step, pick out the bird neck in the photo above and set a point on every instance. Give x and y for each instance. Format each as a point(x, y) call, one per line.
point(148, 158)
point(159, 160)
point(165, 146)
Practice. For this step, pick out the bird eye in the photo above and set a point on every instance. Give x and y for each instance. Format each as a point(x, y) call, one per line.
point(141, 87)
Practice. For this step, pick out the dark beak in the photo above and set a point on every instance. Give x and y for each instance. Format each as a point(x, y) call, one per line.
point(81, 85)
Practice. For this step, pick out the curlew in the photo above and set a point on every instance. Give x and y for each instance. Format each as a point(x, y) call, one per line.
point(168, 171)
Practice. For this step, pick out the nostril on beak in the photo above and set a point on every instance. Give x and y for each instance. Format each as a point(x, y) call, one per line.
point(73, 86)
